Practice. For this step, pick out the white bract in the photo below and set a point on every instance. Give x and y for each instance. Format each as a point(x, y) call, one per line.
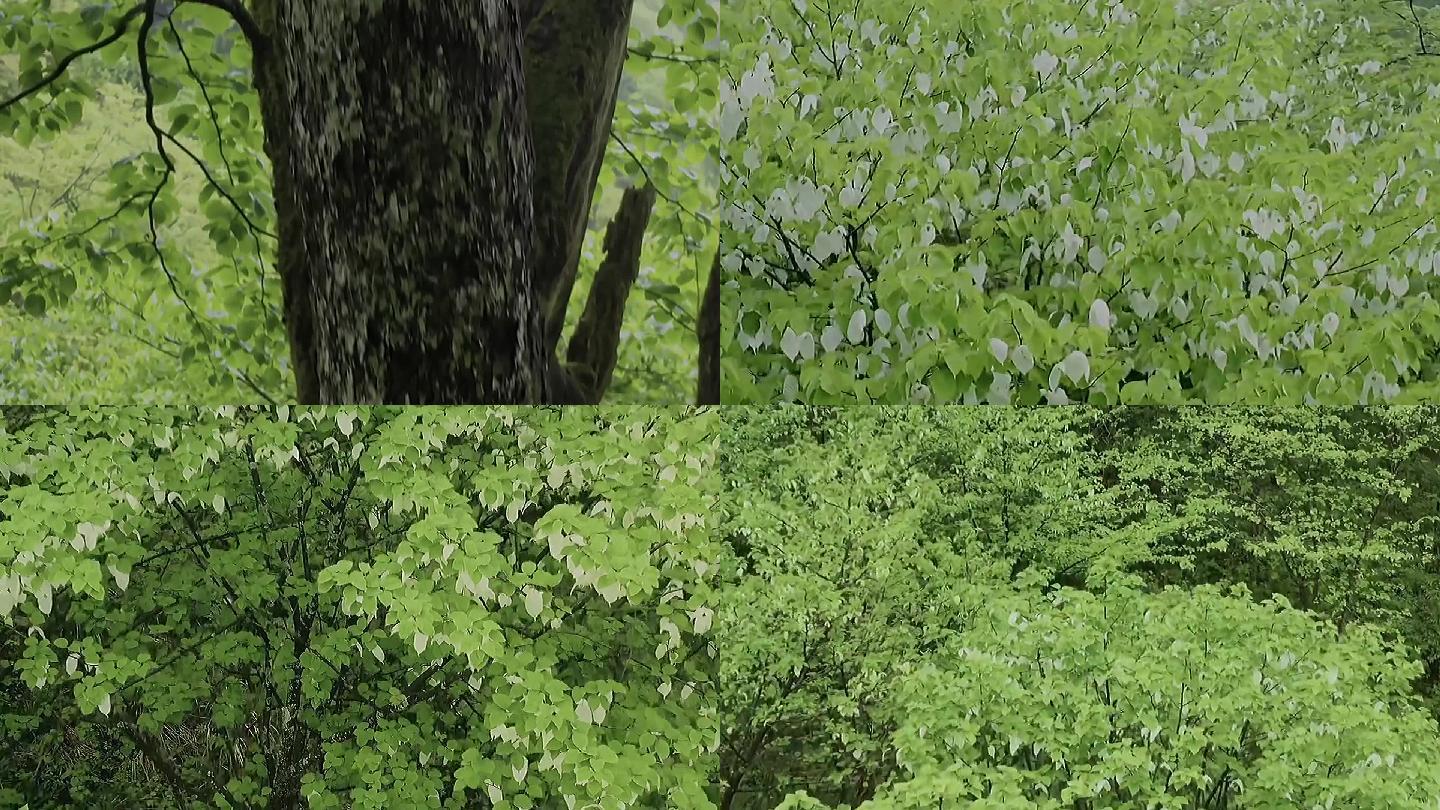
point(796, 346)
point(1194, 131)
point(855, 332)
point(758, 82)
point(1097, 258)
point(1023, 359)
point(1100, 314)
point(1076, 366)
point(829, 244)
point(1045, 64)
point(1330, 323)
point(882, 321)
point(1064, 164)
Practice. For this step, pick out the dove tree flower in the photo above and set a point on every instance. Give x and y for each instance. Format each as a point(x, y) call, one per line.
point(1259, 158)
point(367, 607)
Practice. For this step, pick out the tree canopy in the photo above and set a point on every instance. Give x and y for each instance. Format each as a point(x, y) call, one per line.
point(1183, 608)
point(356, 608)
point(1146, 201)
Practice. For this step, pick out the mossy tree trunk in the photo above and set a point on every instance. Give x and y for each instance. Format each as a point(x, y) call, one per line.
point(434, 164)
point(403, 166)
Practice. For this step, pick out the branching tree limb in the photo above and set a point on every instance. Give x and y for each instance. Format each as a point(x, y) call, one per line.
point(259, 43)
point(142, 55)
point(154, 752)
point(121, 26)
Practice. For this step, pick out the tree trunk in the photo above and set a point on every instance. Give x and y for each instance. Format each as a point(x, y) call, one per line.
point(401, 147)
point(596, 341)
point(709, 333)
point(574, 55)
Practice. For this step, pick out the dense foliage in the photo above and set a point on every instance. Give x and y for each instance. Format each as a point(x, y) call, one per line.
point(137, 278)
point(356, 608)
point(1081, 200)
point(1182, 608)
point(1338, 510)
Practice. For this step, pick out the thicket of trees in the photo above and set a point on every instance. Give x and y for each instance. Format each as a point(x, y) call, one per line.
point(356, 608)
point(1107, 201)
point(1081, 608)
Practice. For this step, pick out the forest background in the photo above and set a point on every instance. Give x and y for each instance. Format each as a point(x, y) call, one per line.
point(1164, 607)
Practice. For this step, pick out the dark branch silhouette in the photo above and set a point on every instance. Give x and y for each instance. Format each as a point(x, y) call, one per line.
point(593, 347)
point(121, 26)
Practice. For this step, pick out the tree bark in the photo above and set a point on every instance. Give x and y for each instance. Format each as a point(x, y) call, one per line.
point(574, 54)
point(596, 342)
point(401, 147)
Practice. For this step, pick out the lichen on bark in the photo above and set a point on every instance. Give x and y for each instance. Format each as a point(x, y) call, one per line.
point(403, 161)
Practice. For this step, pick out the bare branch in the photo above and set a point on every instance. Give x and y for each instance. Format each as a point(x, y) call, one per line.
point(204, 94)
point(249, 382)
point(667, 57)
point(255, 230)
point(640, 164)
